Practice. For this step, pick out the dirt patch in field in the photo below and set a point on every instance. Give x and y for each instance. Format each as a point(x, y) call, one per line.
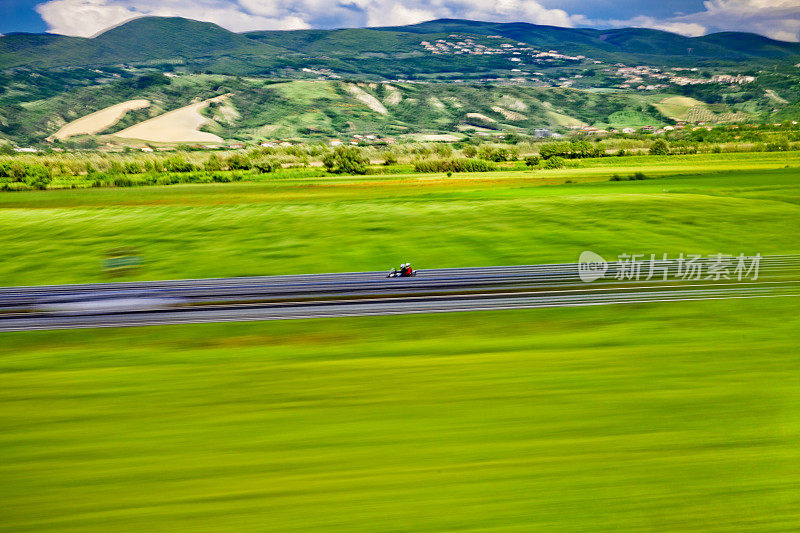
point(513, 103)
point(508, 114)
point(394, 97)
point(435, 102)
point(180, 125)
point(366, 98)
point(438, 137)
point(479, 116)
point(772, 95)
point(99, 120)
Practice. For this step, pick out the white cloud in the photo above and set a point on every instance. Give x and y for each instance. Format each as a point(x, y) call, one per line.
point(88, 17)
point(690, 29)
point(779, 19)
point(82, 17)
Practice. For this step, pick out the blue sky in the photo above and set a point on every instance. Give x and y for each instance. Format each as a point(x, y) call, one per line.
point(776, 18)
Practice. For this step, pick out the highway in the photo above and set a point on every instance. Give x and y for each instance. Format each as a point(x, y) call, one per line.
point(371, 293)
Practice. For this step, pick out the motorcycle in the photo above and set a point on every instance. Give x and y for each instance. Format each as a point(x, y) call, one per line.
point(401, 273)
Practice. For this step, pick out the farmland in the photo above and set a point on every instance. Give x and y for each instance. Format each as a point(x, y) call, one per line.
point(646, 417)
point(651, 417)
point(703, 203)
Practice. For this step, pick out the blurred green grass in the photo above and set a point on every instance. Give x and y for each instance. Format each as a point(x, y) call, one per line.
point(658, 417)
point(661, 417)
point(337, 225)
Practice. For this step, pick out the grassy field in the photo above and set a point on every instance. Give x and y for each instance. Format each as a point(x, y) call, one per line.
point(663, 417)
point(648, 417)
point(373, 222)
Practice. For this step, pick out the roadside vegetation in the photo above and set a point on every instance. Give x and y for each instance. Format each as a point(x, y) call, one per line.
point(128, 168)
point(739, 203)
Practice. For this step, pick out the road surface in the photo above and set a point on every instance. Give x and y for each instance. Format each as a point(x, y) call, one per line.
point(371, 293)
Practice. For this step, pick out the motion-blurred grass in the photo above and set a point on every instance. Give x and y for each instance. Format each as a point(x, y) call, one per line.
point(339, 225)
point(659, 417)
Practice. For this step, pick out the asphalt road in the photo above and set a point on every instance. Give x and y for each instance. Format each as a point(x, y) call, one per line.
point(371, 293)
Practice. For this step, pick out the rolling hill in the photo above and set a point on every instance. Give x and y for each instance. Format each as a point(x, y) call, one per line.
point(150, 39)
point(501, 77)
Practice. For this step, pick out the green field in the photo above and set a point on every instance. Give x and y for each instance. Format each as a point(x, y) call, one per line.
point(372, 222)
point(648, 417)
point(665, 417)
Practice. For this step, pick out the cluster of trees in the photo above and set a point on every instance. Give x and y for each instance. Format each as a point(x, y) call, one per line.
point(571, 150)
point(345, 160)
point(492, 153)
point(459, 164)
point(661, 147)
point(633, 177)
point(31, 176)
point(179, 164)
point(103, 179)
point(239, 161)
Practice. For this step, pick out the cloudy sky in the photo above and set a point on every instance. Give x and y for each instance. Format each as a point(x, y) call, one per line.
point(779, 19)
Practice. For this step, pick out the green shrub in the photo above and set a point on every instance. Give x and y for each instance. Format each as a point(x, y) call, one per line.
point(265, 166)
point(390, 159)
point(532, 160)
point(122, 181)
point(498, 154)
point(17, 171)
point(38, 177)
point(177, 163)
point(554, 162)
point(345, 160)
point(238, 162)
point(570, 150)
point(213, 163)
point(461, 164)
point(443, 150)
point(778, 146)
point(132, 167)
point(167, 179)
point(659, 147)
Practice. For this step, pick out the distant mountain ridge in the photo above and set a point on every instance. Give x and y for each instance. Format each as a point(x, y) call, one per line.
point(724, 45)
point(152, 39)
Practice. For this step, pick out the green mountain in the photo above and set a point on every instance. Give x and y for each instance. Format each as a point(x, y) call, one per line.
point(501, 77)
point(210, 47)
point(631, 42)
point(140, 40)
